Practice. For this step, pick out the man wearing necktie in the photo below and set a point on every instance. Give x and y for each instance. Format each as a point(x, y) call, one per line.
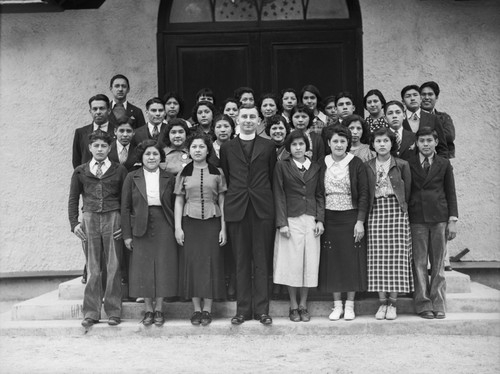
point(120, 107)
point(122, 149)
point(99, 110)
point(155, 114)
point(417, 118)
point(433, 213)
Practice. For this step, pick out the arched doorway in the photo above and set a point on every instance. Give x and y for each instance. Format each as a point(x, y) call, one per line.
point(265, 44)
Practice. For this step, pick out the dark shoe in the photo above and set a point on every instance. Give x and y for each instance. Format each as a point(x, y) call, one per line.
point(114, 321)
point(265, 319)
point(84, 275)
point(196, 318)
point(148, 319)
point(448, 268)
point(304, 314)
point(158, 318)
point(238, 319)
point(88, 322)
point(294, 316)
point(439, 315)
point(426, 314)
point(206, 318)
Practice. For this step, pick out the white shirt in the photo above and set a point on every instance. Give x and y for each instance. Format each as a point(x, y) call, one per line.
point(152, 187)
point(246, 136)
point(422, 158)
point(119, 147)
point(306, 164)
point(414, 124)
point(104, 167)
point(113, 103)
point(103, 127)
point(151, 128)
point(338, 170)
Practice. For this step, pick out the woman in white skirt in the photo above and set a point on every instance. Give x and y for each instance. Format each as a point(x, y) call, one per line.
point(300, 209)
point(389, 236)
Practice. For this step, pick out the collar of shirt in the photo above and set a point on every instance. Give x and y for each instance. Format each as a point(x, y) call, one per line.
point(410, 114)
point(306, 164)
point(169, 150)
point(345, 161)
point(151, 173)
point(119, 147)
point(151, 127)
point(399, 131)
point(113, 103)
point(104, 167)
point(247, 136)
point(422, 158)
point(103, 127)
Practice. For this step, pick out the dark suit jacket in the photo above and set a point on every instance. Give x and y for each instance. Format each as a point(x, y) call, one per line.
point(449, 131)
point(132, 112)
point(134, 209)
point(81, 153)
point(248, 182)
point(408, 147)
point(142, 133)
point(430, 120)
point(296, 194)
point(433, 198)
point(131, 157)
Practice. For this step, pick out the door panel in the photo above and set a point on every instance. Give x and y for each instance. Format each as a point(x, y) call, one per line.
point(221, 62)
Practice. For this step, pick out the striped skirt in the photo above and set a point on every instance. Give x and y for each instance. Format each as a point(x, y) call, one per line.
point(389, 248)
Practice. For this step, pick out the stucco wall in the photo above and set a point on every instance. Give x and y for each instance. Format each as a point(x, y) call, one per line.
point(51, 63)
point(456, 44)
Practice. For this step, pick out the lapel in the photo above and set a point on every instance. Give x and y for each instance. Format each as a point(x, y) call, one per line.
point(164, 178)
point(425, 119)
point(294, 171)
point(87, 171)
point(257, 147)
point(140, 182)
point(434, 170)
point(406, 141)
point(237, 150)
point(371, 164)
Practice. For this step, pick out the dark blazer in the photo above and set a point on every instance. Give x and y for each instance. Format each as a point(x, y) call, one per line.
point(132, 112)
point(433, 197)
point(248, 182)
point(134, 209)
point(359, 185)
point(296, 194)
point(81, 153)
point(430, 120)
point(449, 131)
point(131, 156)
point(142, 133)
point(408, 146)
point(400, 176)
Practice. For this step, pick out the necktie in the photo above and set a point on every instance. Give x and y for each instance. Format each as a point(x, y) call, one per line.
point(415, 117)
point(426, 165)
point(119, 111)
point(155, 132)
point(123, 155)
point(98, 172)
point(398, 139)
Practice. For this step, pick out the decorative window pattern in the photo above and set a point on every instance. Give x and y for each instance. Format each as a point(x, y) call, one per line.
point(193, 11)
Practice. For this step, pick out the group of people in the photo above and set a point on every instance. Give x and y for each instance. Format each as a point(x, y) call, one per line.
point(296, 191)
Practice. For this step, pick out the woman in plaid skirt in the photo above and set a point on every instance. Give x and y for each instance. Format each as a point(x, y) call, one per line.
point(389, 237)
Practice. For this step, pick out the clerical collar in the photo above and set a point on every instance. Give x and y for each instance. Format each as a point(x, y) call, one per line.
point(247, 137)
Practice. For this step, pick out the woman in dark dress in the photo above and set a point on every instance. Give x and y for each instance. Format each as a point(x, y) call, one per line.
point(343, 250)
point(147, 216)
point(200, 229)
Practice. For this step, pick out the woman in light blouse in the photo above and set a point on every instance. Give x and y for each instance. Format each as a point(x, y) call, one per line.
point(343, 250)
point(200, 229)
point(147, 214)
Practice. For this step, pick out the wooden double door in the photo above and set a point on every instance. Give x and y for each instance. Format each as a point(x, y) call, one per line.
point(266, 57)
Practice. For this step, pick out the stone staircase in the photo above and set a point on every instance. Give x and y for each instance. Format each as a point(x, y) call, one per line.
point(472, 309)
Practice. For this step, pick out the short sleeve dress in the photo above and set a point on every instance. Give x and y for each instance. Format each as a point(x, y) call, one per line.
point(202, 271)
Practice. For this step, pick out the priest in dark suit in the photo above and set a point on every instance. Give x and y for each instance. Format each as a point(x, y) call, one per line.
point(248, 163)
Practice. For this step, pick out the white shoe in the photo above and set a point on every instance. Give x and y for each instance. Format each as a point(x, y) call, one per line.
point(381, 312)
point(336, 313)
point(391, 312)
point(349, 314)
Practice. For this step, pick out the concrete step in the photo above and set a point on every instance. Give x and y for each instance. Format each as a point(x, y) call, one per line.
point(456, 282)
point(482, 299)
point(484, 324)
